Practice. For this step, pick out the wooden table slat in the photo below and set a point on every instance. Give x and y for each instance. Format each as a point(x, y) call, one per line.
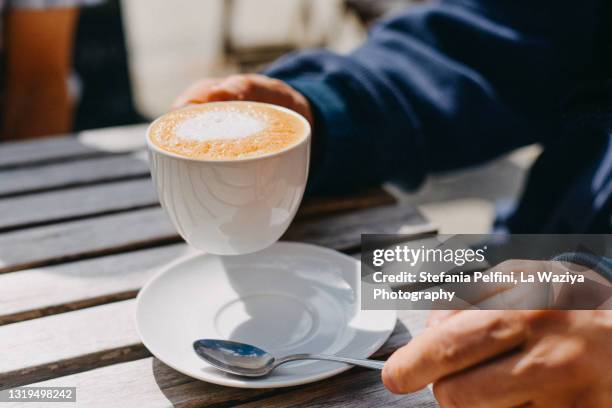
point(61, 288)
point(87, 144)
point(99, 199)
point(148, 382)
point(357, 388)
point(105, 235)
point(47, 290)
point(69, 342)
point(84, 238)
point(43, 150)
point(65, 205)
point(72, 174)
point(344, 231)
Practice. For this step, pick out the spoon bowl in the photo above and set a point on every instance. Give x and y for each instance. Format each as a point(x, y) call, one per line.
point(235, 358)
point(250, 361)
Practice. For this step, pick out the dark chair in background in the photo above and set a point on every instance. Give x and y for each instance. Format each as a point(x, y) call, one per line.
point(100, 60)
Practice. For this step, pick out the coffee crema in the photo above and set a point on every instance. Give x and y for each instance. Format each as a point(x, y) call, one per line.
point(227, 131)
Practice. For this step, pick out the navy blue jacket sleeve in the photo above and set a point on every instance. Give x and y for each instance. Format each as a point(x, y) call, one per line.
point(440, 87)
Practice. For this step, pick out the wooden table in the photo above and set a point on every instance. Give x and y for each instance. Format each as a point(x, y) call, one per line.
point(81, 232)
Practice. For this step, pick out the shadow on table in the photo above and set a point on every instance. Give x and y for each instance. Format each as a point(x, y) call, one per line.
point(354, 385)
point(182, 390)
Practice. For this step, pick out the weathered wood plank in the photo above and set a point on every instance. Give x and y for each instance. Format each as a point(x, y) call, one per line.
point(65, 343)
point(91, 143)
point(139, 229)
point(87, 201)
point(55, 206)
point(318, 206)
point(42, 150)
point(76, 285)
point(356, 388)
point(34, 293)
point(31, 293)
point(85, 238)
point(144, 383)
point(70, 174)
point(148, 382)
point(344, 231)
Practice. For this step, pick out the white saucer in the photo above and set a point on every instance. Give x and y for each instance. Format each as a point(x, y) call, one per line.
point(289, 298)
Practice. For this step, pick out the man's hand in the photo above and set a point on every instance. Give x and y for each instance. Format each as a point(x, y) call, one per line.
point(248, 87)
point(509, 359)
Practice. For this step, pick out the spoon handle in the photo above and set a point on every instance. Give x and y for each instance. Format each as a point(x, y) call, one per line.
point(373, 364)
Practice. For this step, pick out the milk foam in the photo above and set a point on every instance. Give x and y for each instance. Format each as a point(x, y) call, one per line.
point(227, 131)
point(220, 125)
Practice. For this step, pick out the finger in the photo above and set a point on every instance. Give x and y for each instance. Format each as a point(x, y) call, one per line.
point(490, 385)
point(462, 341)
point(277, 92)
point(222, 94)
point(237, 87)
point(542, 375)
point(196, 93)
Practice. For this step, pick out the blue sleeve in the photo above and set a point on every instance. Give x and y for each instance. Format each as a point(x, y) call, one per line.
point(599, 264)
point(442, 86)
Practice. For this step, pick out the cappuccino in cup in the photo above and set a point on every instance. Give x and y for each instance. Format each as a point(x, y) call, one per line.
point(230, 175)
point(227, 131)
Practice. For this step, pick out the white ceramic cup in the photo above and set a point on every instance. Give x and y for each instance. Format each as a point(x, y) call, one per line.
point(232, 207)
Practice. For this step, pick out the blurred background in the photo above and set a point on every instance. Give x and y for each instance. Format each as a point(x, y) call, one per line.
point(153, 49)
point(131, 58)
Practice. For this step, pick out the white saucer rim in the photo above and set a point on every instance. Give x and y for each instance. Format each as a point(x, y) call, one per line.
point(237, 382)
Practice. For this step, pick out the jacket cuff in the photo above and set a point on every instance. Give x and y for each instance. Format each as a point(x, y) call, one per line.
point(336, 144)
point(599, 264)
